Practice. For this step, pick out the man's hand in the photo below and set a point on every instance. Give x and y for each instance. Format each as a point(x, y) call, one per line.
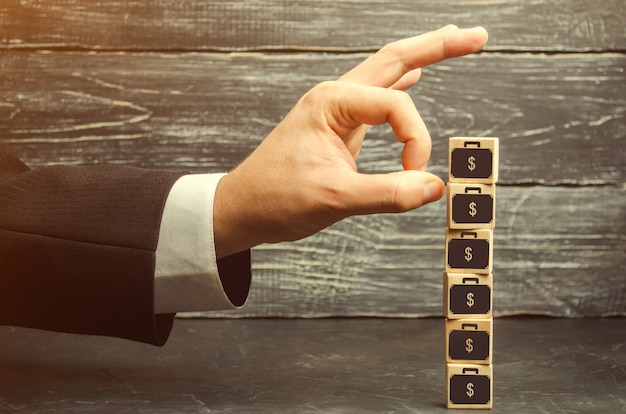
point(303, 176)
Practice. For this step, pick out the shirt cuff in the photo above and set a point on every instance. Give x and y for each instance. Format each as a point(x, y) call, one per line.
point(187, 278)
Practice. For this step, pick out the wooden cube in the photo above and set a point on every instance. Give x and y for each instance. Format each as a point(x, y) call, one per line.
point(473, 160)
point(469, 386)
point(469, 251)
point(471, 206)
point(467, 296)
point(469, 341)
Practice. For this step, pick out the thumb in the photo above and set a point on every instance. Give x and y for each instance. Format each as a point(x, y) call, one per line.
point(395, 192)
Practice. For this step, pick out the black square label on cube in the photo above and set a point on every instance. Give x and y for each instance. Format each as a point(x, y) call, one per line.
point(470, 299)
point(469, 345)
point(472, 208)
point(471, 163)
point(468, 253)
point(470, 389)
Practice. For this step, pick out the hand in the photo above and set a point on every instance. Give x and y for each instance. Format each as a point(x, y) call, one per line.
point(303, 176)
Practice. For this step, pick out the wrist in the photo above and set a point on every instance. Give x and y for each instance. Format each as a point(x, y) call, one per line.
point(228, 217)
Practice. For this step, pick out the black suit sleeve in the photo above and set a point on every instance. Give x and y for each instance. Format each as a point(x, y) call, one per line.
point(77, 249)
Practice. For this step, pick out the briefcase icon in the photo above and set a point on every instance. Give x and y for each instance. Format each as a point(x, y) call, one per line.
point(469, 251)
point(470, 299)
point(471, 206)
point(467, 296)
point(468, 254)
point(469, 386)
point(473, 160)
point(469, 341)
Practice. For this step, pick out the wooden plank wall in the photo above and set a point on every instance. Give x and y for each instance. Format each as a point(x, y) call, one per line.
point(197, 84)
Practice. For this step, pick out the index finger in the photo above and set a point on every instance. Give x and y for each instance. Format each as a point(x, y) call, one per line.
point(389, 64)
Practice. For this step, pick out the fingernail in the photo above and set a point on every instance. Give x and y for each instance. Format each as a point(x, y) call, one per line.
point(433, 190)
point(449, 27)
point(480, 29)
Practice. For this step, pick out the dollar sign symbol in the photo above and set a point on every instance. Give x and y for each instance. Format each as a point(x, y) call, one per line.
point(471, 165)
point(470, 389)
point(468, 253)
point(470, 299)
point(472, 210)
point(469, 345)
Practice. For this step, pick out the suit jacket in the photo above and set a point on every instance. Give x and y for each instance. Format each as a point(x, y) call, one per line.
point(77, 248)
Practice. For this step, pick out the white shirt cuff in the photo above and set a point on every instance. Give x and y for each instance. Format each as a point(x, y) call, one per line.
point(186, 274)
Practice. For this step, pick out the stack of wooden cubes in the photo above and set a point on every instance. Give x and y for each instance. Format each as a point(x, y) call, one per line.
point(468, 278)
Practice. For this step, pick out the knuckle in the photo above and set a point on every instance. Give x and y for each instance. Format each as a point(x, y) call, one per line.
point(320, 90)
point(400, 200)
point(321, 96)
point(402, 101)
point(404, 98)
point(390, 49)
point(393, 53)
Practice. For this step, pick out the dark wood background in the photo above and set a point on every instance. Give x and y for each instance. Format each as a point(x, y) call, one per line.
point(198, 84)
